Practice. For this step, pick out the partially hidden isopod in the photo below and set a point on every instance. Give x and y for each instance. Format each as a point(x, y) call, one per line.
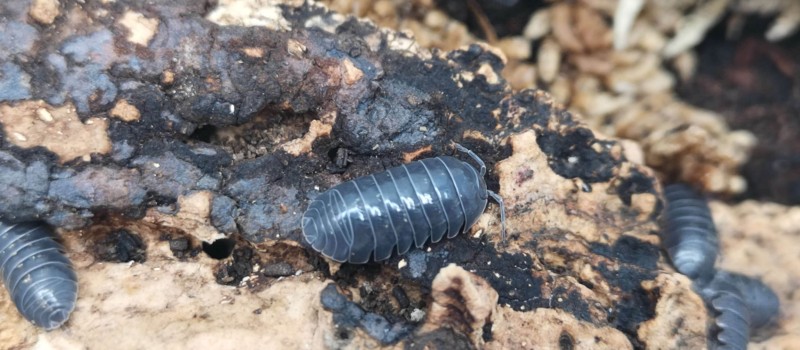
point(689, 235)
point(728, 293)
point(400, 207)
point(732, 320)
point(37, 274)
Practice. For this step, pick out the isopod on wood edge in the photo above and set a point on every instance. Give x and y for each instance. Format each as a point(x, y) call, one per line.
point(37, 274)
point(407, 205)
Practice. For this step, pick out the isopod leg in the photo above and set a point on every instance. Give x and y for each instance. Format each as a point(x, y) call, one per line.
point(474, 157)
point(502, 205)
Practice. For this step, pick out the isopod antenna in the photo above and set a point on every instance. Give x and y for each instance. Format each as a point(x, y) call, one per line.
point(494, 195)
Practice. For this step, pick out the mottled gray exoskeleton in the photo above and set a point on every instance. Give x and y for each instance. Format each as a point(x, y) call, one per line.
point(400, 207)
point(37, 274)
point(744, 306)
point(689, 235)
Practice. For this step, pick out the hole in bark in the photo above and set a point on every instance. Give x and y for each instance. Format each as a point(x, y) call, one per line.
point(204, 133)
point(260, 136)
point(219, 249)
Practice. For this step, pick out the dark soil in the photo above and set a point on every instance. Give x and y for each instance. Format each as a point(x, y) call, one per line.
point(755, 85)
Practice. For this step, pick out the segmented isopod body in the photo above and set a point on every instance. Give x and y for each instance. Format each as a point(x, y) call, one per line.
point(395, 209)
point(760, 299)
point(760, 303)
point(689, 235)
point(732, 320)
point(37, 274)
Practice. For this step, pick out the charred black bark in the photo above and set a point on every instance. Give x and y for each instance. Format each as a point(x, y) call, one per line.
point(194, 73)
point(211, 108)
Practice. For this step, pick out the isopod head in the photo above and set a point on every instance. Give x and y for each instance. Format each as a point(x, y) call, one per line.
point(474, 196)
point(311, 232)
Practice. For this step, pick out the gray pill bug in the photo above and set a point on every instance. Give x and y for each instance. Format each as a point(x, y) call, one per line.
point(689, 235)
point(37, 274)
point(390, 211)
point(732, 320)
point(761, 304)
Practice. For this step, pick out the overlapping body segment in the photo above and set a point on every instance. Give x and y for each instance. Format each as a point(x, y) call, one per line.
point(689, 235)
point(742, 306)
point(732, 321)
point(470, 187)
point(386, 212)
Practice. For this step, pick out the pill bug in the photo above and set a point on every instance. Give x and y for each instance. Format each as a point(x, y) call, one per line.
point(761, 304)
point(732, 319)
point(760, 299)
point(397, 208)
point(37, 274)
point(689, 235)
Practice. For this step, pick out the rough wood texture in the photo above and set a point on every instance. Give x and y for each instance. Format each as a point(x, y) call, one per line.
point(228, 130)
